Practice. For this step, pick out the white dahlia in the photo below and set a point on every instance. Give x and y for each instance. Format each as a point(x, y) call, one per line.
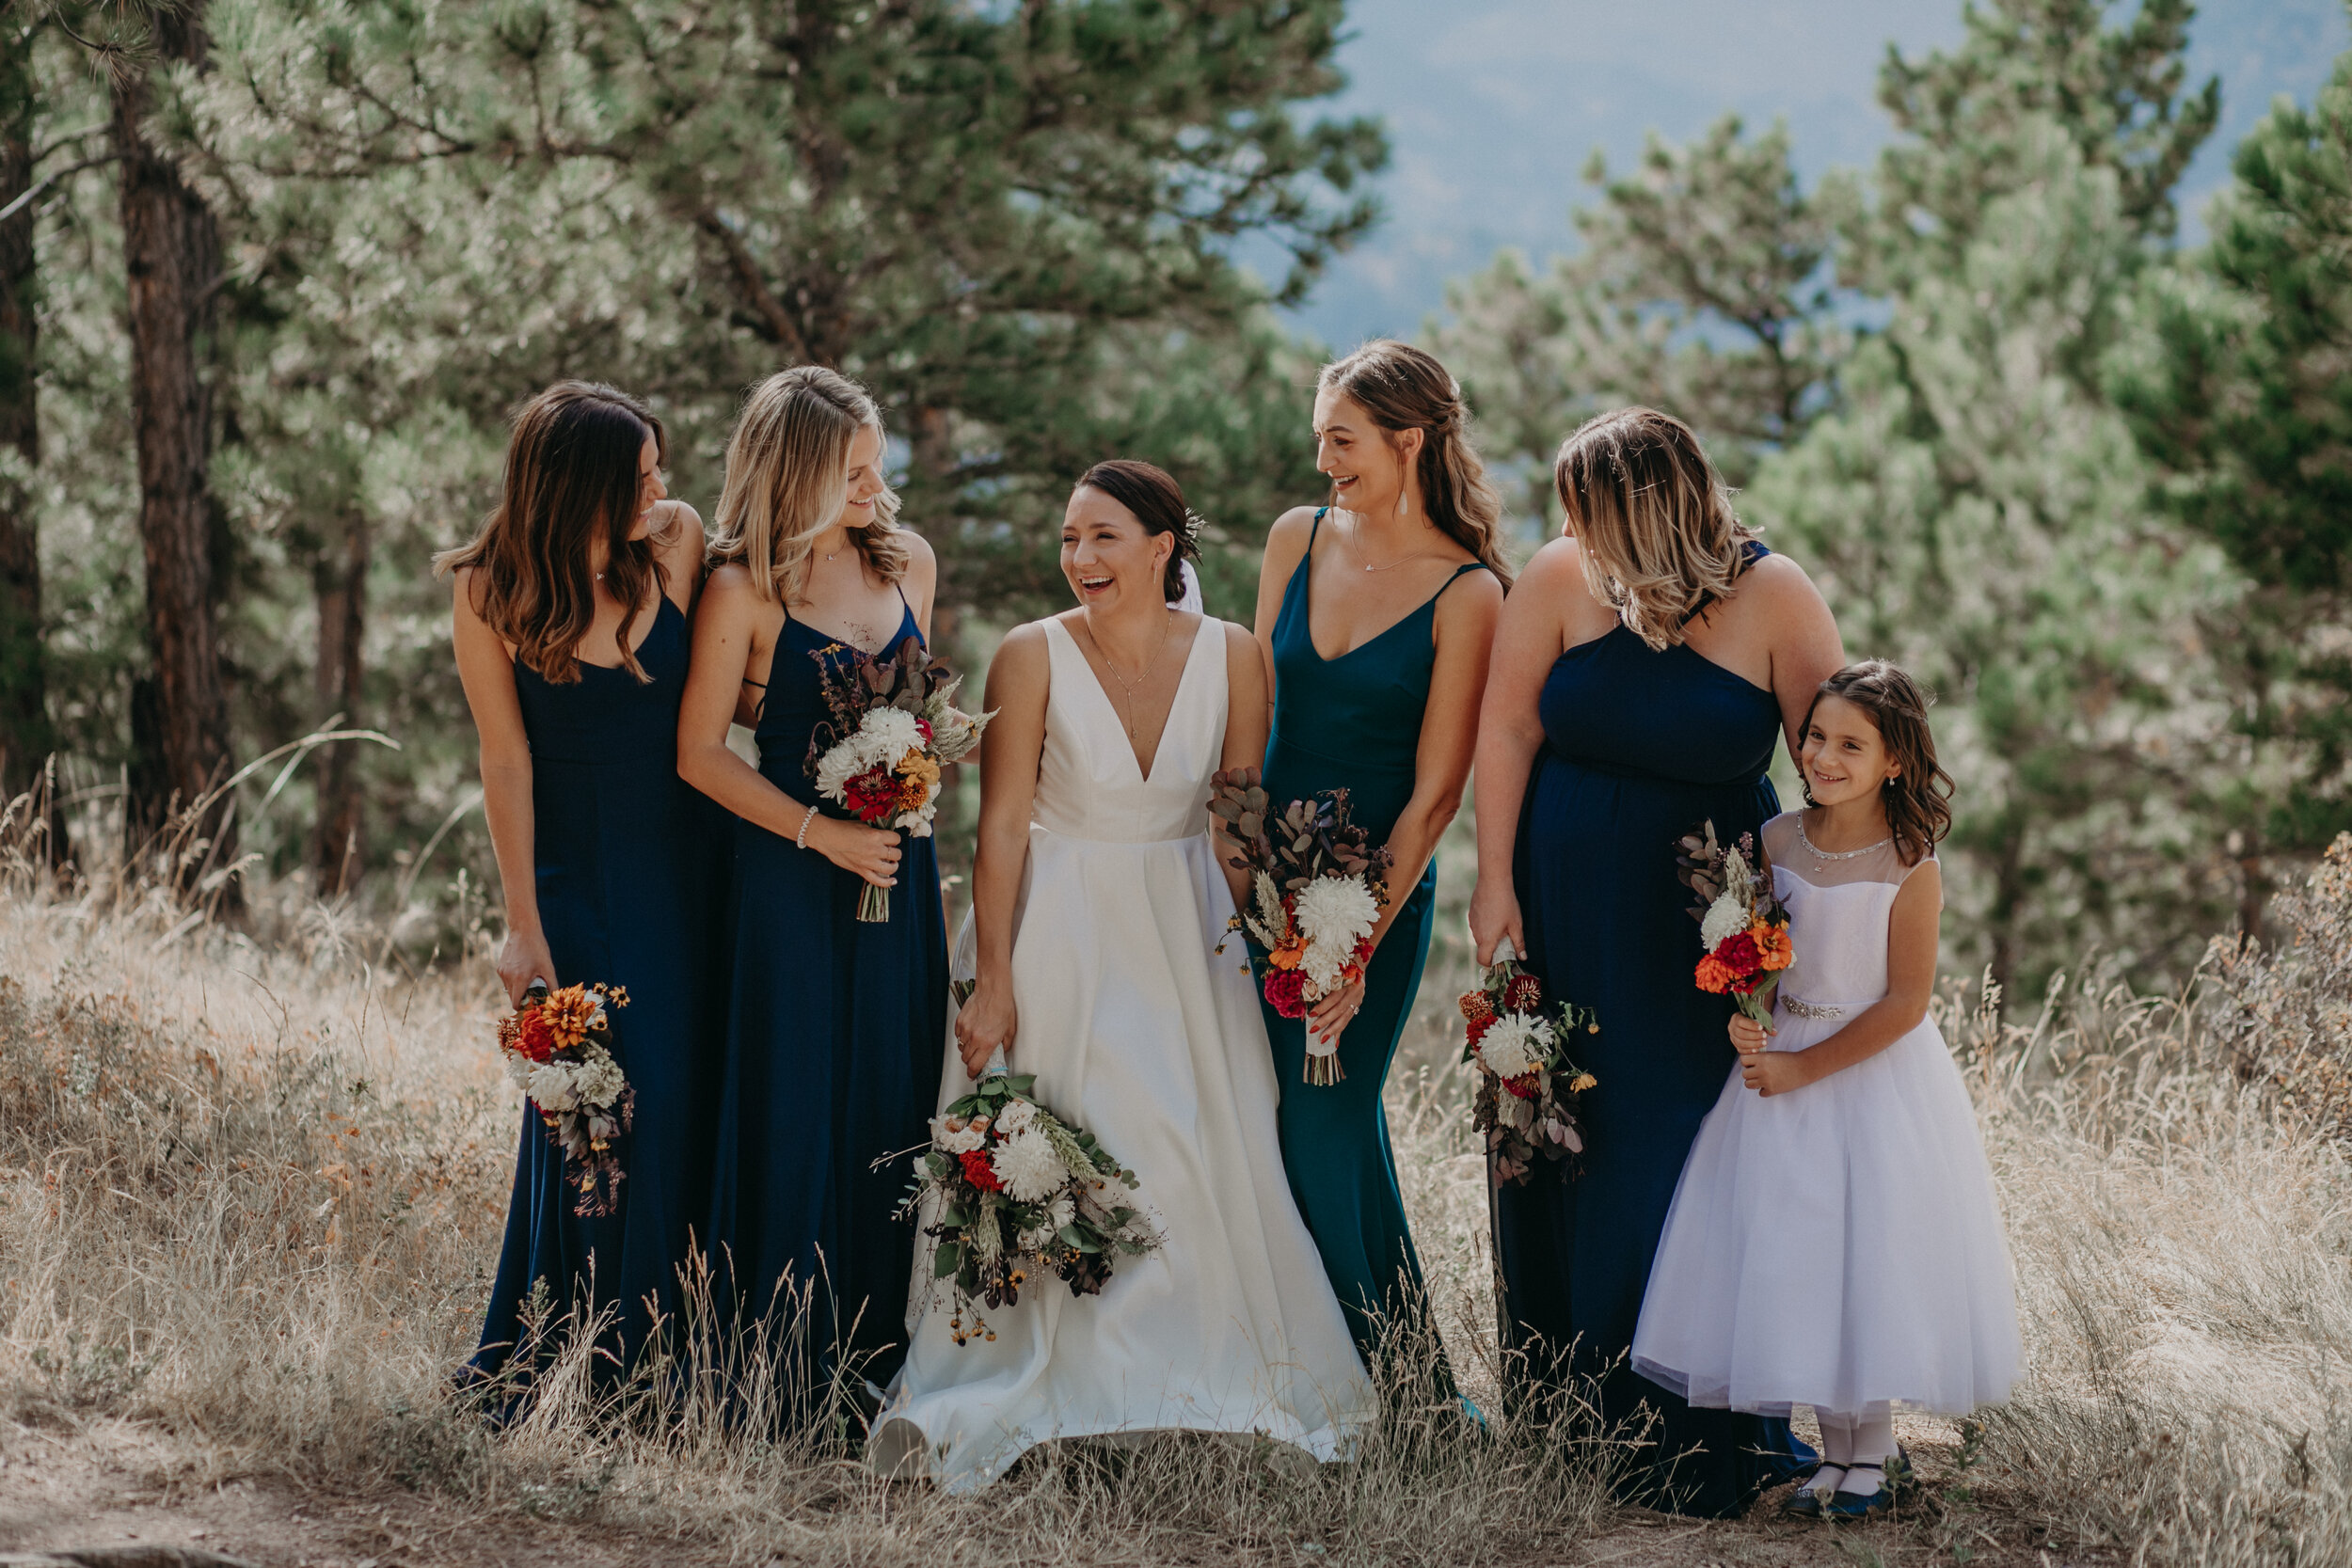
point(1514, 1045)
point(956, 1136)
point(1029, 1168)
point(1337, 912)
point(1727, 917)
point(551, 1087)
point(598, 1081)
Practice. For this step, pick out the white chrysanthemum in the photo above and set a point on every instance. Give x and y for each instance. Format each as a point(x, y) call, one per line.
point(519, 1067)
point(955, 1140)
point(551, 1087)
point(882, 737)
point(1321, 964)
point(1017, 1118)
point(1337, 912)
point(1727, 917)
point(1029, 1168)
point(598, 1081)
point(1513, 1044)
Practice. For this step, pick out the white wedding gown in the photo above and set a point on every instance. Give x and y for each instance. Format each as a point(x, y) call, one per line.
point(1137, 1031)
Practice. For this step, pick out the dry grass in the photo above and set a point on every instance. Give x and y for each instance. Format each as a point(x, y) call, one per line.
point(249, 1190)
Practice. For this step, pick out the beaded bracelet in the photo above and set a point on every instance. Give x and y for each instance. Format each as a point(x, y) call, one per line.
point(800, 839)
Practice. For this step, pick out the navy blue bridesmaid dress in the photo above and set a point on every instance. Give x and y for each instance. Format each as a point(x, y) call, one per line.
point(832, 1053)
point(632, 875)
point(1354, 723)
point(1640, 746)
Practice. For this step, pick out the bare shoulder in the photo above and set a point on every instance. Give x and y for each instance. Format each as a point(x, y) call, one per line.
point(1473, 594)
point(1024, 650)
point(1286, 541)
point(465, 593)
point(730, 590)
point(1777, 579)
point(1242, 655)
point(920, 556)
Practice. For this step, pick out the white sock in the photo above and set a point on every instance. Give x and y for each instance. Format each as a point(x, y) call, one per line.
point(1836, 1452)
point(1874, 1441)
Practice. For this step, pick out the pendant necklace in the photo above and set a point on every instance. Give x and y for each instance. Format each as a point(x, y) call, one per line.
point(1356, 542)
point(1167, 621)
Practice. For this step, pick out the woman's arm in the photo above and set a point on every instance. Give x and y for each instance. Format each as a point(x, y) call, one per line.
point(1466, 613)
point(1019, 680)
point(1248, 714)
point(1533, 633)
point(725, 632)
point(1285, 545)
point(678, 544)
point(1806, 649)
point(1911, 940)
point(486, 669)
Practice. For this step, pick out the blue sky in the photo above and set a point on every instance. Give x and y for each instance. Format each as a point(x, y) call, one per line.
point(1493, 105)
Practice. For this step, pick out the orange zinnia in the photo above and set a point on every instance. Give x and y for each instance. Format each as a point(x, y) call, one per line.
point(1288, 954)
point(1715, 976)
point(1772, 944)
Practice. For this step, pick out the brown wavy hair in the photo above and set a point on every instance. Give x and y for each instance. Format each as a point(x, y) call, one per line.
point(571, 476)
point(1917, 798)
point(1652, 519)
point(1151, 493)
point(1403, 389)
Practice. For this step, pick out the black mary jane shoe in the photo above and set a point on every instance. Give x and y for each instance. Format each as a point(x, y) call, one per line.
point(1804, 1502)
point(1861, 1505)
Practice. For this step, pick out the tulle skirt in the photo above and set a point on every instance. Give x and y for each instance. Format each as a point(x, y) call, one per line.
point(1835, 1246)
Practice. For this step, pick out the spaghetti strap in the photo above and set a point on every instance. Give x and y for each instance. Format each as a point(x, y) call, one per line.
point(1314, 527)
point(1459, 572)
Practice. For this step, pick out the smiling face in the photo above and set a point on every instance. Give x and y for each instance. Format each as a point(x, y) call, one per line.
point(864, 476)
point(1109, 557)
point(651, 491)
point(1844, 756)
point(1367, 465)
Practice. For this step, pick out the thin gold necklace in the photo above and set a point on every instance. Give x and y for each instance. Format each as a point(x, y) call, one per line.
point(1167, 624)
point(1356, 543)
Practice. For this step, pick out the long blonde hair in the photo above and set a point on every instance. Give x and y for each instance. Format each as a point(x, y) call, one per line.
point(1403, 389)
point(786, 485)
point(571, 476)
point(1652, 518)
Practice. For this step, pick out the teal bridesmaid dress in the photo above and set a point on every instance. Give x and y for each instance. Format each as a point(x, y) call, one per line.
point(1353, 723)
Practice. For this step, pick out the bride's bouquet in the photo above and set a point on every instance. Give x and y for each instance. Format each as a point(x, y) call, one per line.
point(1743, 927)
point(892, 727)
point(558, 1047)
point(1525, 1107)
point(1019, 1193)
point(1317, 888)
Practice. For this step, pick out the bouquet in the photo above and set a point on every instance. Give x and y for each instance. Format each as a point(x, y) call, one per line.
point(1019, 1193)
point(892, 727)
point(558, 1046)
point(1316, 890)
point(1744, 926)
point(1527, 1087)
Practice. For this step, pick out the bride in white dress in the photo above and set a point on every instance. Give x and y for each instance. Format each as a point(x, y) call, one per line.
point(1098, 896)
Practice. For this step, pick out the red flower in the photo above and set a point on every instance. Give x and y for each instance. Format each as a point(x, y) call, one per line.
point(873, 795)
point(534, 1038)
point(924, 725)
point(1286, 990)
point(1479, 1026)
point(1524, 994)
point(1739, 955)
point(1524, 1085)
point(1475, 1005)
point(977, 1171)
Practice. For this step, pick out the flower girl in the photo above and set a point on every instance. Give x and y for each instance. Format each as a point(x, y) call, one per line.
point(1834, 1240)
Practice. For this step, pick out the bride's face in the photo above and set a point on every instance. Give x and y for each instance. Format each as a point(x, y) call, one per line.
point(1108, 557)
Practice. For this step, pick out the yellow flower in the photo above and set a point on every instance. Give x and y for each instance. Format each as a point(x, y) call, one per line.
point(920, 771)
point(1582, 1082)
point(568, 1012)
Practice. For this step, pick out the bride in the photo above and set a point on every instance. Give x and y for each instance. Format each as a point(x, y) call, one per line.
point(1098, 894)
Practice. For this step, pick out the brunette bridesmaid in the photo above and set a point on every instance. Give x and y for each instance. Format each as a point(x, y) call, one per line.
point(1648, 663)
point(836, 1024)
point(572, 610)
point(1376, 613)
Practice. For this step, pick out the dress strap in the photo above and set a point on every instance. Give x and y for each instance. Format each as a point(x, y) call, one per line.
point(1459, 572)
point(1314, 527)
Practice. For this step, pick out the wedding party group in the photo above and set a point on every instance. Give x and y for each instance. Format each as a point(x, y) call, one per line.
point(1114, 1160)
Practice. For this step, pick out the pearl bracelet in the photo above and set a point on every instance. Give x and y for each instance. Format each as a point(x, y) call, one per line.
point(800, 839)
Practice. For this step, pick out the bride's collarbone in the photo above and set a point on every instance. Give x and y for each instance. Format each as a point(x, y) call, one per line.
point(1142, 703)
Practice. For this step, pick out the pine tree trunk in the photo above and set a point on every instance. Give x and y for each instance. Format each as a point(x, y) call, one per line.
point(343, 602)
point(26, 736)
point(171, 262)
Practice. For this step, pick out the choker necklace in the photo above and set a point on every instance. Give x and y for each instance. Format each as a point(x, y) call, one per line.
point(1806, 839)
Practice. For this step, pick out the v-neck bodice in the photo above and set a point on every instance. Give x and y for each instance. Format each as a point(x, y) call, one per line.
point(794, 705)
point(1089, 785)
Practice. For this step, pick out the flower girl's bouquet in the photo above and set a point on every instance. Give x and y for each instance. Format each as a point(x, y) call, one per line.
point(1316, 890)
point(1744, 926)
point(558, 1046)
point(1016, 1192)
point(893, 726)
point(1525, 1107)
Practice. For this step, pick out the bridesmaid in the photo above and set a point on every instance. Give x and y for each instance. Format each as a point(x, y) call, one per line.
point(836, 1024)
point(1644, 670)
point(1376, 691)
point(570, 626)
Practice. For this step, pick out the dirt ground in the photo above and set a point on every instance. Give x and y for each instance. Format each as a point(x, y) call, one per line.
point(114, 1496)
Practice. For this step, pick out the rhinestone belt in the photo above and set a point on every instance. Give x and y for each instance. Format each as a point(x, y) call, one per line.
point(1803, 1008)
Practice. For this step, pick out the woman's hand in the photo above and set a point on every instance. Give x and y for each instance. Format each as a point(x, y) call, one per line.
point(1330, 1016)
point(523, 958)
point(1494, 913)
point(1749, 1034)
point(985, 1024)
point(871, 852)
point(1772, 1072)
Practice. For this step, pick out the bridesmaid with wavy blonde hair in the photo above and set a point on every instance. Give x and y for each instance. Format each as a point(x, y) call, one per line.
point(835, 1024)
